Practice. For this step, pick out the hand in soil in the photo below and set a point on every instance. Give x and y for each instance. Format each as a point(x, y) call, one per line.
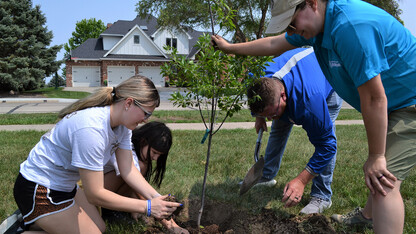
point(162, 209)
point(169, 223)
point(173, 227)
point(172, 198)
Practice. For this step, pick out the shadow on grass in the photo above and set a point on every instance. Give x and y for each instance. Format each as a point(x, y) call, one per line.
point(225, 211)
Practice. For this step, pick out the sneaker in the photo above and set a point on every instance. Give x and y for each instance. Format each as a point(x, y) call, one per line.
point(266, 182)
point(353, 218)
point(12, 224)
point(263, 182)
point(316, 205)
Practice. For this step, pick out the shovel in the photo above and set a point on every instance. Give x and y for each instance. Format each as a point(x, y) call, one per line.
point(256, 171)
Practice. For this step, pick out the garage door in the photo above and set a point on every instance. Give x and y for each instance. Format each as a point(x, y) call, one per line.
point(86, 76)
point(153, 73)
point(117, 74)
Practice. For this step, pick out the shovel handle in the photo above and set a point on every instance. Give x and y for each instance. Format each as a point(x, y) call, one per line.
point(258, 144)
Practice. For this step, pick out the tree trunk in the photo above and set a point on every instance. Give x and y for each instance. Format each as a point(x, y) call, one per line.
point(205, 176)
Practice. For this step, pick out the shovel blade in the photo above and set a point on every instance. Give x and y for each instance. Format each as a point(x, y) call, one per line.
point(253, 175)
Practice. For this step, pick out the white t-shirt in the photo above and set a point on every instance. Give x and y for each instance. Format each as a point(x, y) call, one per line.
point(113, 166)
point(82, 139)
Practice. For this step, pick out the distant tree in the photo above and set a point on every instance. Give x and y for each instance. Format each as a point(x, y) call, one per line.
point(84, 29)
point(25, 59)
point(252, 16)
point(391, 6)
point(248, 24)
point(57, 81)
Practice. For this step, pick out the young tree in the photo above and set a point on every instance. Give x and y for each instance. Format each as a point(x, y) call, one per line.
point(217, 83)
point(84, 29)
point(25, 59)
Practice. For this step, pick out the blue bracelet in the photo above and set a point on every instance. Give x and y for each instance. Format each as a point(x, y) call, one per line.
point(149, 208)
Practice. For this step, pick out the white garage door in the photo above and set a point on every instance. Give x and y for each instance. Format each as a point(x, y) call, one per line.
point(117, 74)
point(153, 73)
point(86, 76)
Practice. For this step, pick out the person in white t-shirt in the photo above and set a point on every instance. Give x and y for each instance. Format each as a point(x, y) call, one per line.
point(78, 147)
point(150, 142)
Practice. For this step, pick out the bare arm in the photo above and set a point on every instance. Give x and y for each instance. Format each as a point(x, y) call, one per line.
point(93, 185)
point(373, 102)
point(132, 176)
point(268, 46)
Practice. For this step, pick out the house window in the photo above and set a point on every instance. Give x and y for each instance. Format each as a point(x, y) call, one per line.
point(172, 42)
point(136, 39)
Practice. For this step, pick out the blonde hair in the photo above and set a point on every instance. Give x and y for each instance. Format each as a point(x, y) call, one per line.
point(138, 87)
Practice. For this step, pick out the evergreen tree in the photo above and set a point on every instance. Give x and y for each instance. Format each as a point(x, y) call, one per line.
point(25, 59)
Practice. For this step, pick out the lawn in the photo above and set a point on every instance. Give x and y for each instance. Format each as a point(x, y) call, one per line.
point(231, 157)
point(166, 116)
point(51, 92)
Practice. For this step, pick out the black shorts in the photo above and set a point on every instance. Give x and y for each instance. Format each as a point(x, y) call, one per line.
point(36, 201)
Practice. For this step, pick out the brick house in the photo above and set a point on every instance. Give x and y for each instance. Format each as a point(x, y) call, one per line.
point(127, 48)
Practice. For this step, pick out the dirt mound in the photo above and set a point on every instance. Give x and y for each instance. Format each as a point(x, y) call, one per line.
point(224, 218)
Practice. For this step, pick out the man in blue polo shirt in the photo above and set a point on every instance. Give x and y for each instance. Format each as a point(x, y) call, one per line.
point(369, 58)
point(296, 92)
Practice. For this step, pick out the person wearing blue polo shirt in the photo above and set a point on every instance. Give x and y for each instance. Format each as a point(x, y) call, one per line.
point(295, 91)
point(369, 58)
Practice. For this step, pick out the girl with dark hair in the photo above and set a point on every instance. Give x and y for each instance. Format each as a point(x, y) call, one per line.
point(150, 142)
point(81, 143)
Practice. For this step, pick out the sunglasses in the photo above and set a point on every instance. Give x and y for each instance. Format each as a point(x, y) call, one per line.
point(272, 116)
point(291, 29)
point(147, 114)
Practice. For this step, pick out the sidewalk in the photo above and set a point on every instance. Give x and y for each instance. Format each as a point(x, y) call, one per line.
point(164, 105)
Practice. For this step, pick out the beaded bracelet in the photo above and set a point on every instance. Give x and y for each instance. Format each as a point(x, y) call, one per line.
point(149, 208)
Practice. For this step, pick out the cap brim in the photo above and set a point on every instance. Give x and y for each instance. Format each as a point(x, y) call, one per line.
point(280, 22)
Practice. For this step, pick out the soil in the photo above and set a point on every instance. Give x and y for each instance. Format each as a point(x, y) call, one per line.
point(223, 218)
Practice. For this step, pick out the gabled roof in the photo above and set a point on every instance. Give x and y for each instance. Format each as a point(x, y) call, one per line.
point(92, 49)
point(135, 27)
point(122, 27)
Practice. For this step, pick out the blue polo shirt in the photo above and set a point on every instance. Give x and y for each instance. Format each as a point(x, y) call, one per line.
point(359, 42)
point(307, 91)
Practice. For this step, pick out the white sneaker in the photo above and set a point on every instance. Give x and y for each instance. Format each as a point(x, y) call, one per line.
point(263, 182)
point(266, 182)
point(316, 205)
point(12, 223)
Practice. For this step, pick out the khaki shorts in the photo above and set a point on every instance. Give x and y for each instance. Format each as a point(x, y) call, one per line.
point(401, 141)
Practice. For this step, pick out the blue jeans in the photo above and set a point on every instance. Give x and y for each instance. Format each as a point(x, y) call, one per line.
point(279, 134)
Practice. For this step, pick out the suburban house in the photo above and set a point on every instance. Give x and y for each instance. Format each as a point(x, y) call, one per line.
point(127, 48)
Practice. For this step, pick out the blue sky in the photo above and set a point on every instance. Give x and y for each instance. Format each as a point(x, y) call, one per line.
point(61, 16)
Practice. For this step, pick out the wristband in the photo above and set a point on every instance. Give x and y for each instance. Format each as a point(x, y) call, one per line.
point(149, 208)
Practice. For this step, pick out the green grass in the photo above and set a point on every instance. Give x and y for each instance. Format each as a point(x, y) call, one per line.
point(166, 116)
point(349, 114)
point(24, 119)
point(51, 92)
point(231, 157)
